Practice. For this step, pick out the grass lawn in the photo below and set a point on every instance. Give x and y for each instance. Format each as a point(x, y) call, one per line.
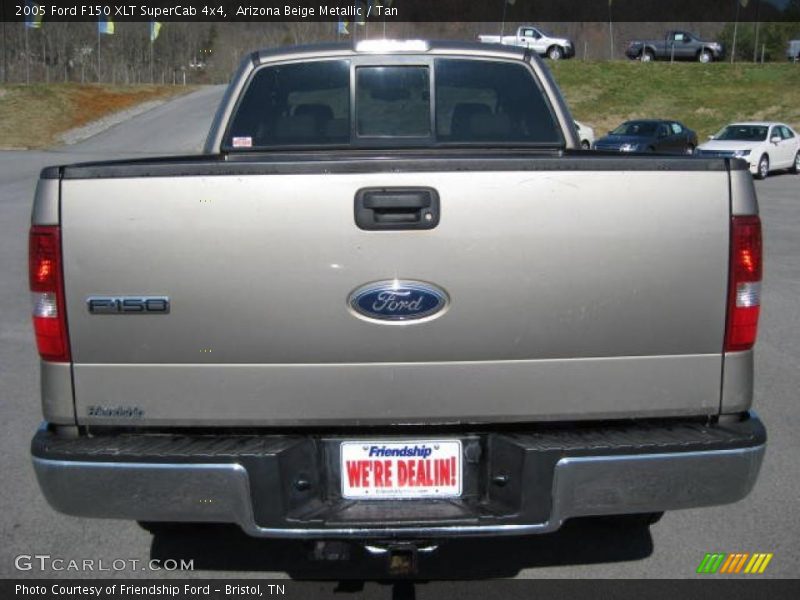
point(704, 97)
point(32, 116)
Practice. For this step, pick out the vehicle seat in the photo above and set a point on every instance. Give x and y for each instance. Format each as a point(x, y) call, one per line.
point(461, 125)
point(491, 127)
point(322, 114)
point(295, 129)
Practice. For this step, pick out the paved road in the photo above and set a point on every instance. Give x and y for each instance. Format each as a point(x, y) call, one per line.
point(768, 520)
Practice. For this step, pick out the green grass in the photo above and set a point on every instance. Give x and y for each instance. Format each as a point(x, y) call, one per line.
point(704, 97)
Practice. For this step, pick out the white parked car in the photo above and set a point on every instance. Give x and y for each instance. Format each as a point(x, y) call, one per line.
point(586, 135)
point(767, 146)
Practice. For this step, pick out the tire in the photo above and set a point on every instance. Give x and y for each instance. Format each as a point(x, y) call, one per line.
point(690, 149)
point(632, 521)
point(705, 57)
point(796, 166)
point(555, 52)
point(161, 527)
point(763, 167)
point(647, 56)
point(585, 145)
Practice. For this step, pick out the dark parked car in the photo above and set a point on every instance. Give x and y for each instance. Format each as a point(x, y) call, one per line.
point(680, 45)
point(650, 135)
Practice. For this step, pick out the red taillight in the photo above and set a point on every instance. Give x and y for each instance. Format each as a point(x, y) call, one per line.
point(744, 295)
point(47, 293)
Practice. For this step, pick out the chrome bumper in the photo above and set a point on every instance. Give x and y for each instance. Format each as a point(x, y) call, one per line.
point(223, 492)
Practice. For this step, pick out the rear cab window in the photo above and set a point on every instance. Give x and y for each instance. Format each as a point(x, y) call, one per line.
point(433, 102)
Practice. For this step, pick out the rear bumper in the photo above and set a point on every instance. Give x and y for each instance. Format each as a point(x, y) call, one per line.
point(519, 482)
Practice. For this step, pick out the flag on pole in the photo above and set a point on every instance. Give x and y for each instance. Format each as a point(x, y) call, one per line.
point(361, 17)
point(106, 27)
point(341, 28)
point(155, 29)
point(35, 15)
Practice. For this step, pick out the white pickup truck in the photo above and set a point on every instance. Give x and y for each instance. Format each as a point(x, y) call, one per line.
point(537, 40)
point(394, 300)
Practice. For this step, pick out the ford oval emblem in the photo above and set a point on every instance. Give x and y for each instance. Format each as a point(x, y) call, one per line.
point(398, 301)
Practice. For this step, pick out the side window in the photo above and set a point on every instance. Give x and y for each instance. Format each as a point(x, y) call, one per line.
point(486, 101)
point(787, 133)
point(663, 131)
point(676, 128)
point(304, 104)
point(527, 33)
point(679, 36)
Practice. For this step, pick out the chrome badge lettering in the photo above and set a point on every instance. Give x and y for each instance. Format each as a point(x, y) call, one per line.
point(119, 412)
point(398, 301)
point(128, 305)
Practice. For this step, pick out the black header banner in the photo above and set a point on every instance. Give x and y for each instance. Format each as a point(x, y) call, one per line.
point(509, 11)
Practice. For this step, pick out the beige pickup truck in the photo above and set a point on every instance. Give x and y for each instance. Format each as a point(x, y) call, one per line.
point(393, 300)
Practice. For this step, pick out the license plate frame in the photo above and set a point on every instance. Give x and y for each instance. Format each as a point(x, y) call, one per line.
point(392, 469)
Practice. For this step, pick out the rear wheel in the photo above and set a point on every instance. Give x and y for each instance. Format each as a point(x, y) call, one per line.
point(555, 53)
point(796, 165)
point(633, 520)
point(647, 56)
point(586, 145)
point(690, 149)
point(763, 167)
point(161, 527)
point(704, 56)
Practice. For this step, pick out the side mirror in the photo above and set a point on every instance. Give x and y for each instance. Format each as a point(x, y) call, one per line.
point(776, 139)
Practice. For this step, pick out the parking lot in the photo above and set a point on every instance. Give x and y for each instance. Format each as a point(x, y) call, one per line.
point(767, 521)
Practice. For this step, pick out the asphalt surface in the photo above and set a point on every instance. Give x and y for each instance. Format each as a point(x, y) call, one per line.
point(767, 521)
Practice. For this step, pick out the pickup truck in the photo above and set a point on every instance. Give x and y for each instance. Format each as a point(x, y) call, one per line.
point(793, 50)
point(393, 301)
point(537, 40)
point(677, 45)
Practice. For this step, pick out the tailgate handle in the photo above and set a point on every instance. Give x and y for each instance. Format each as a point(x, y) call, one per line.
point(397, 208)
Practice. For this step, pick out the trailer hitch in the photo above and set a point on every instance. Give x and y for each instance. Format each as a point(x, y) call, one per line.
point(402, 558)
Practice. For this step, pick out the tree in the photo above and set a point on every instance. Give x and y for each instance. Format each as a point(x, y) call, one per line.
point(773, 36)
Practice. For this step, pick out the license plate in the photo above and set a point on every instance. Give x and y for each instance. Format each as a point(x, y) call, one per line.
point(385, 470)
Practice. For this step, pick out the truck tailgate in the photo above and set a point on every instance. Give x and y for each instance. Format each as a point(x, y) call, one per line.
point(575, 294)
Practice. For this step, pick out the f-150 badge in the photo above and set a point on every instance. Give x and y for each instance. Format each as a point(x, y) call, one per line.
point(128, 305)
point(398, 301)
